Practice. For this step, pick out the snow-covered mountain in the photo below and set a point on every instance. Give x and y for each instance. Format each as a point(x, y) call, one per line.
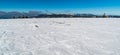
point(74, 36)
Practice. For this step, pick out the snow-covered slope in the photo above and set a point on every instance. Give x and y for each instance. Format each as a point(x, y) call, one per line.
point(60, 36)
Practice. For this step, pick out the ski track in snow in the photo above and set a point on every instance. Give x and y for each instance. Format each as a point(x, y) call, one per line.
point(60, 36)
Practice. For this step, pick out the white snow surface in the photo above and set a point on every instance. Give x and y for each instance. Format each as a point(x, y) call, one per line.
point(60, 36)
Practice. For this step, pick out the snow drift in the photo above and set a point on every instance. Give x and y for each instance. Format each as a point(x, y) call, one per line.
point(60, 36)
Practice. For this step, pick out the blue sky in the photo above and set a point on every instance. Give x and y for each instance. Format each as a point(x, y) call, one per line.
point(74, 6)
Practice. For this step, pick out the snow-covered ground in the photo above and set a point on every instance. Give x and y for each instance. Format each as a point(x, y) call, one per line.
point(61, 36)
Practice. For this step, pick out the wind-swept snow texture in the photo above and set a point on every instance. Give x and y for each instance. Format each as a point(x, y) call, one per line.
point(61, 36)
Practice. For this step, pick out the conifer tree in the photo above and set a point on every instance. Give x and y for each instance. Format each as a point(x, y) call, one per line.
point(104, 15)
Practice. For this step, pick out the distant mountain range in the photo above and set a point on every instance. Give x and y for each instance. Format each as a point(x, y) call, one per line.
point(36, 14)
point(16, 14)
